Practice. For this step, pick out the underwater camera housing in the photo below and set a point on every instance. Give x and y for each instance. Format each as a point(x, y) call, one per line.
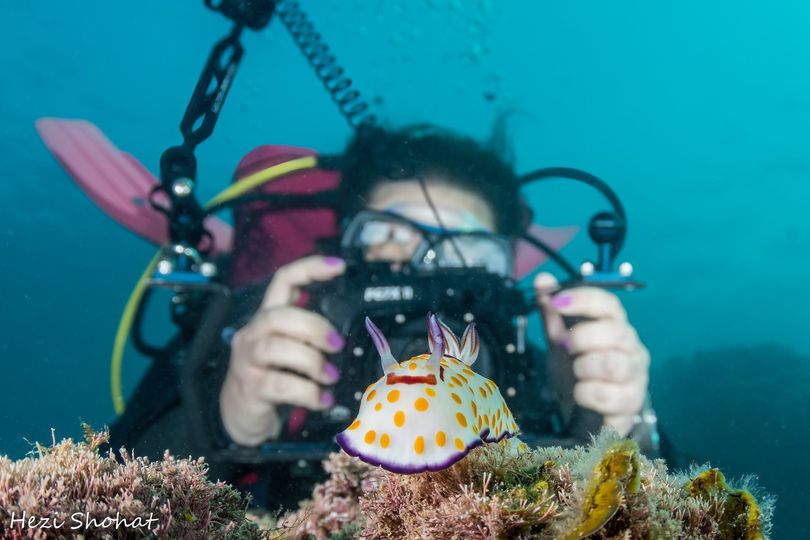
point(397, 300)
point(398, 303)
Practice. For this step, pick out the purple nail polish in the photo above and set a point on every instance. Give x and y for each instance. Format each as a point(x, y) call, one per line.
point(327, 399)
point(335, 340)
point(561, 300)
point(331, 371)
point(332, 261)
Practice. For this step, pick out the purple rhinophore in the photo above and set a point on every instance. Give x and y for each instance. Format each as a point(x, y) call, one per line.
point(386, 358)
point(437, 337)
point(378, 338)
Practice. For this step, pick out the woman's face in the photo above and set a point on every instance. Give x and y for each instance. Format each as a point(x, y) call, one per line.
point(458, 210)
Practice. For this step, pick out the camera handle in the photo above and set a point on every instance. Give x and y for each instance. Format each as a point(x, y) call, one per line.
point(607, 231)
point(584, 422)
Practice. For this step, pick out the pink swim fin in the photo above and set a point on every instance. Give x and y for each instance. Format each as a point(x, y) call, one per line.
point(115, 180)
point(528, 257)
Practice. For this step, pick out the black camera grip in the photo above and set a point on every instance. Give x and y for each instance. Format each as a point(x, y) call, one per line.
point(584, 422)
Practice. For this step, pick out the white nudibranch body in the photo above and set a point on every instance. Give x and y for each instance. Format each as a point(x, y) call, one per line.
point(426, 413)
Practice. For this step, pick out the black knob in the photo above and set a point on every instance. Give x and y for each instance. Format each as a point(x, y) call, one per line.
point(606, 228)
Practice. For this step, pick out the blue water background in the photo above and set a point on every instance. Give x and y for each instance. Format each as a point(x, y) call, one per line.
point(697, 113)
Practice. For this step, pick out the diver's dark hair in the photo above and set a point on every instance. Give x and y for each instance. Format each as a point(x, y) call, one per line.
point(376, 154)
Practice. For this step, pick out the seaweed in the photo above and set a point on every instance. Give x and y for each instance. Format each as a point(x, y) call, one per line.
point(607, 490)
point(616, 473)
point(75, 491)
point(740, 515)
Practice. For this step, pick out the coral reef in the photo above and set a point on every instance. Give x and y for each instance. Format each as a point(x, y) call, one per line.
point(616, 474)
point(69, 490)
point(741, 515)
point(334, 504)
point(605, 491)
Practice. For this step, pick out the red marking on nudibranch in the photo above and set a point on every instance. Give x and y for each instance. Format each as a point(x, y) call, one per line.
point(393, 378)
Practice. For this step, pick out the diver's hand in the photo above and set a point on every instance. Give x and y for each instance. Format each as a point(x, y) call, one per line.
point(599, 364)
point(278, 357)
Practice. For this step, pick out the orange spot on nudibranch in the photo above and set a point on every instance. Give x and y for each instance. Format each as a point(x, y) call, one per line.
point(370, 436)
point(412, 366)
point(378, 406)
point(430, 392)
point(371, 395)
point(474, 408)
point(385, 440)
point(393, 396)
point(459, 444)
point(399, 419)
point(455, 397)
point(468, 371)
point(421, 404)
point(482, 391)
point(462, 420)
point(463, 378)
point(419, 445)
point(355, 424)
point(441, 439)
point(455, 380)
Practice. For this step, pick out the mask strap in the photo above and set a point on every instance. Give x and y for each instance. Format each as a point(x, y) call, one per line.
point(444, 233)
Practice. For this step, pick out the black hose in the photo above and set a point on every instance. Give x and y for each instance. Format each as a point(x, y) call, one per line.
point(586, 178)
point(195, 375)
point(309, 41)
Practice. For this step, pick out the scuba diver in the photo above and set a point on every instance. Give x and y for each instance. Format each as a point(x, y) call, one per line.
point(271, 355)
point(273, 380)
point(445, 181)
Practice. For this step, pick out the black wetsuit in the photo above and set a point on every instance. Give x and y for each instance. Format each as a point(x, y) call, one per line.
point(163, 413)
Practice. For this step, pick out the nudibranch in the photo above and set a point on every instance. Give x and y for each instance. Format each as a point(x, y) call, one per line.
point(426, 413)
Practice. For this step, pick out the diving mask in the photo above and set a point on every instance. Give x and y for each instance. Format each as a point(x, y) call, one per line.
point(388, 235)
